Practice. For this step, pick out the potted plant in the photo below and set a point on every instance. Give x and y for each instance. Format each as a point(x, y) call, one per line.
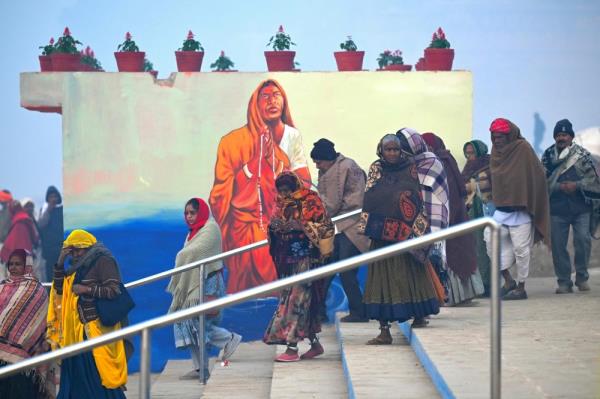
point(223, 64)
point(129, 57)
point(392, 61)
point(189, 56)
point(65, 56)
point(420, 65)
point(439, 56)
point(149, 67)
point(89, 63)
point(280, 59)
point(350, 59)
point(45, 61)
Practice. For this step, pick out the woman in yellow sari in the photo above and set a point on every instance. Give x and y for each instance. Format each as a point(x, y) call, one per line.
point(72, 317)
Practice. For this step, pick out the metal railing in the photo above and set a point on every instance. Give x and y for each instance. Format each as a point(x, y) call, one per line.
point(145, 328)
point(224, 255)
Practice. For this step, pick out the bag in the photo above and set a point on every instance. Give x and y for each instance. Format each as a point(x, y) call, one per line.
point(112, 311)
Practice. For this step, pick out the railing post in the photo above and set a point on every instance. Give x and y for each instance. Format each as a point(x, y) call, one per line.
point(145, 382)
point(201, 330)
point(496, 317)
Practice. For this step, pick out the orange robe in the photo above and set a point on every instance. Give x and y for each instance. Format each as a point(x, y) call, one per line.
point(243, 197)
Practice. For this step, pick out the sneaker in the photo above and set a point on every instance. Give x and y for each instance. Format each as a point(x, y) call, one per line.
point(564, 289)
point(231, 346)
point(284, 357)
point(352, 318)
point(315, 350)
point(192, 375)
point(515, 295)
point(583, 286)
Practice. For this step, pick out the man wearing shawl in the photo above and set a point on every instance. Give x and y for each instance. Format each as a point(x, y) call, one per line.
point(243, 194)
point(73, 317)
point(464, 282)
point(342, 188)
point(574, 191)
point(521, 200)
point(23, 308)
point(300, 239)
point(478, 180)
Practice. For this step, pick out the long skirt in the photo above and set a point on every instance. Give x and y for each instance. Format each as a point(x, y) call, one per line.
point(398, 288)
point(25, 385)
point(79, 378)
point(297, 315)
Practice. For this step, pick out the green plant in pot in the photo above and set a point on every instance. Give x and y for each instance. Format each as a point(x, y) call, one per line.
point(149, 67)
point(222, 64)
point(439, 56)
point(65, 56)
point(45, 61)
point(281, 58)
point(189, 56)
point(350, 59)
point(129, 57)
point(392, 61)
point(89, 61)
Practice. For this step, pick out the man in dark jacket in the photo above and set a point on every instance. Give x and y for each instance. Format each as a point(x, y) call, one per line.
point(51, 229)
point(574, 188)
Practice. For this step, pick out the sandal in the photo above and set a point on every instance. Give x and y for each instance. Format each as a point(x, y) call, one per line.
point(511, 287)
point(419, 323)
point(384, 337)
point(515, 295)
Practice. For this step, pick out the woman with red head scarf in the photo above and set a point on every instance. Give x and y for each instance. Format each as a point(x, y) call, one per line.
point(202, 241)
point(22, 233)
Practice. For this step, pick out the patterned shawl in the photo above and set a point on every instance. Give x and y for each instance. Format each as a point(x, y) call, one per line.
point(434, 184)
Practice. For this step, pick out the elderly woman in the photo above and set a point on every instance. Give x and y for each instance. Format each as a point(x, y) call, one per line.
point(301, 238)
point(399, 287)
point(479, 201)
point(202, 241)
point(73, 317)
point(464, 281)
point(23, 307)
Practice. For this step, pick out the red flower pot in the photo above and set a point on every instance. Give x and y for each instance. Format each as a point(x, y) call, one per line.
point(87, 68)
point(280, 60)
point(45, 63)
point(189, 61)
point(397, 67)
point(63, 62)
point(130, 61)
point(421, 65)
point(349, 60)
point(439, 59)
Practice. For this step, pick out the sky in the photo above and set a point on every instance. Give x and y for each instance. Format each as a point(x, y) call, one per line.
point(526, 56)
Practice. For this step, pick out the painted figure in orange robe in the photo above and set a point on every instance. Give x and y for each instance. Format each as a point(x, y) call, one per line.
point(242, 199)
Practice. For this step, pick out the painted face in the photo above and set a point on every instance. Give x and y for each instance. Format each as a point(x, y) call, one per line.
point(323, 165)
point(16, 266)
point(470, 152)
point(391, 152)
point(270, 103)
point(499, 140)
point(563, 140)
point(190, 214)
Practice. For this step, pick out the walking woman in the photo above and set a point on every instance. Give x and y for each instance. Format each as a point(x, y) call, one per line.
point(399, 287)
point(301, 238)
point(202, 241)
point(23, 308)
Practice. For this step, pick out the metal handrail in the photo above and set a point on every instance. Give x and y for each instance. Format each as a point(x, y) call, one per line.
point(145, 327)
point(224, 255)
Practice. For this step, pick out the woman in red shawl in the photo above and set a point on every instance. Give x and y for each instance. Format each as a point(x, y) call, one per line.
point(22, 233)
point(301, 238)
point(464, 282)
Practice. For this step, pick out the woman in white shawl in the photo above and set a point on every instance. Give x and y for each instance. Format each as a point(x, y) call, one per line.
point(202, 241)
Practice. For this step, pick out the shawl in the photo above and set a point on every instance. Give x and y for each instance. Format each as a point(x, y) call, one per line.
point(519, 181)
point(434, 184)
point(22, 233)
point(185, 286)
point(203, 215)
point(481, 162)
point(306, 207)
point(460, 251)
point(342, 188)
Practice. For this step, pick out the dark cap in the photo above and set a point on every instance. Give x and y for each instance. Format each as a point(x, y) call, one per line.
point(564, 126)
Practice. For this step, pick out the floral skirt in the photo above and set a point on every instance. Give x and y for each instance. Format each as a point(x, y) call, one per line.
point(297, 315)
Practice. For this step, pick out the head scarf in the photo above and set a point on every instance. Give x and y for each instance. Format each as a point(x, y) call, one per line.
point(22, 233)
point(460, 251)
point(434, 184)
point(481, 161)
point(324, 150)
point(26, 201)
point(53, 190)
point(27, 259)
point(519, 181)
point(79, 239)
point(5, 196)
point(201, 218)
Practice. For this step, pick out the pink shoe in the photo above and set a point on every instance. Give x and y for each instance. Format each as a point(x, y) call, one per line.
point(285, 357)
point(314, 351)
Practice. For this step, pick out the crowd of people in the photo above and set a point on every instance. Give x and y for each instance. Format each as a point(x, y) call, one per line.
point(413, 187)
